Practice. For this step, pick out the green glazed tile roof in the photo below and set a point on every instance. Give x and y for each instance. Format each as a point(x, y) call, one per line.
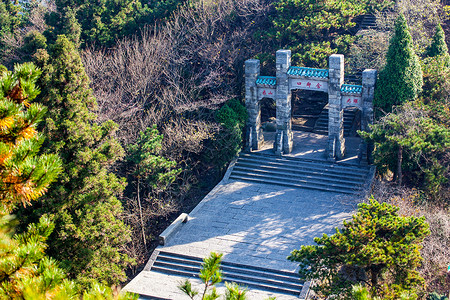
point(351, 89)
point(308, 72)
point(266, 80)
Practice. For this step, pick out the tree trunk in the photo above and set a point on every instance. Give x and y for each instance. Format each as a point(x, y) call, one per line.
point(399, 164)
point(140, 214)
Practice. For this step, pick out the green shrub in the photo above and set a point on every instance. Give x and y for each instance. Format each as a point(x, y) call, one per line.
point(228, 141)
point(378, 247)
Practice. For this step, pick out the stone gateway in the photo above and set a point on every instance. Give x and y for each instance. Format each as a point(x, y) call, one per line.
point(290, 78)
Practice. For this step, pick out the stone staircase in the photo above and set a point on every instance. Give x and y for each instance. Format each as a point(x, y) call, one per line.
point(368, 22)
point(321, 126)
point(253, 277)
point(301, 173)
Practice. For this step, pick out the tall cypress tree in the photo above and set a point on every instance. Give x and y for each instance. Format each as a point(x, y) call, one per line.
point(401, 79)
point(438, 45)
point(438, 48)
point(88, 235)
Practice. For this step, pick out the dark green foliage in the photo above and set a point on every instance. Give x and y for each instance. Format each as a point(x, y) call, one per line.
point(412, 145)
point(88, 234)
point(104, 22)
point(377, 247)
point(436, 296)
point(151, 168)
point(438, 46)
point(436, 79)
point(33, 41)
point(314, 30)
point(401, 79)
point(63, 22)
point(227, 143)
point(10, 17)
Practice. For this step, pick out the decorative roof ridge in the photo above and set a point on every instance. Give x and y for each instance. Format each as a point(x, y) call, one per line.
point(308, 72)
point(351, 89)
point(266, 80)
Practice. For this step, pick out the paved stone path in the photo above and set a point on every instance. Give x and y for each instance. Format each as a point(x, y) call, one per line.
point(252, 224)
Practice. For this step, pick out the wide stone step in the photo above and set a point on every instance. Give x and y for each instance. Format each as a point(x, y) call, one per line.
point(316, 184)
point(316, 172)
point(339, 168)
point(289, 278)
point(300, 185)
point(300, 173)
point(227, 263)
point(254, 277)
point(294, 177)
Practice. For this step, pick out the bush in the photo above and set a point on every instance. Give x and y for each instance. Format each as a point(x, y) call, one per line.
point(227, 142)
point(377, 247)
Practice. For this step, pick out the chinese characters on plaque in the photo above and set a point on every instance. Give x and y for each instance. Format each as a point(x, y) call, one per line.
point(266, 93)
point(351, 101)
point(305, 84)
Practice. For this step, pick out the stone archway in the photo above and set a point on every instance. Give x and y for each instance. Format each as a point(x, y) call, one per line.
point(289, 78)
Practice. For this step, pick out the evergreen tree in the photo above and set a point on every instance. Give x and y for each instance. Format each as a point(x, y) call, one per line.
point(151, 172)
point(26, 175)
point(25, 271)
point(413, 146)
point(401, 79)
point(438, 45)
point(377, 247)
point(104, 22)
point(88, 235)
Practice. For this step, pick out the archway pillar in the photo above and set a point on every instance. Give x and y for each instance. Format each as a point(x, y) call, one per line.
point(254, 137)
point(284, 135)
point(369, 78)
point(336, 141)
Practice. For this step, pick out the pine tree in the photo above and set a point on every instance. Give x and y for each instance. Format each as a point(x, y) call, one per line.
point(25, 174)
point(25, 271)
point(88, 235)
point(151, 172)
point(401, 79)
point(377, 247)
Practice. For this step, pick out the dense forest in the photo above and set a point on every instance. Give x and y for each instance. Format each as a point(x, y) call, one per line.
point(118, 115)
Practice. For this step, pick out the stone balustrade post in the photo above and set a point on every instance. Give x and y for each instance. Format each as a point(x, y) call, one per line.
point(283, 102)
point(336, 141)
point(254, 137)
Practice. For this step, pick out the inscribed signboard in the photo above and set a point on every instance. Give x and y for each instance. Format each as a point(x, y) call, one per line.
point(307, 84)
point(266, 93)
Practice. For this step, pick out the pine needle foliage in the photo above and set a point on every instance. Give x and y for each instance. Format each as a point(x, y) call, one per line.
point(211, 275)
point(25, 271)
point(152, 168)
point(401, 79)
point(89, 235)
point(25, 174)
point(377, 247)
point(413, 146)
